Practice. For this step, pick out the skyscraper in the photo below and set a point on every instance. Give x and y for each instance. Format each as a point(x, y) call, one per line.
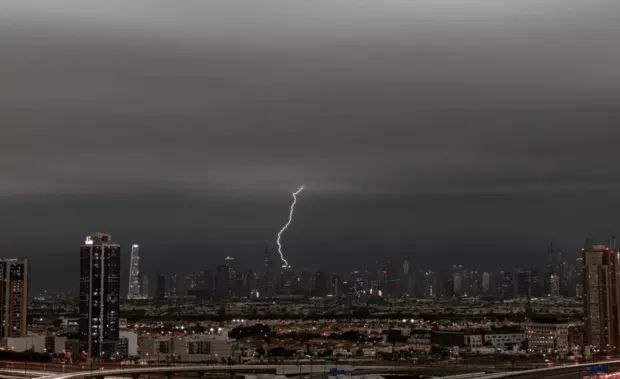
point(268, 277)
point(601, 274)
point(160, 287)
point(172, 285)
point(222, 282)
point(99, 295)
point(135, 290)
point(486, 283)
point(13, 297)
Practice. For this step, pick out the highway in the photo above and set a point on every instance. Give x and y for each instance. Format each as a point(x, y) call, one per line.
point(572, 371)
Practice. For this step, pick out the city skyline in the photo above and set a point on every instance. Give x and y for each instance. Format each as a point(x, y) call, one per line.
point(425, 233)
point(420, 132)
point(321, 189)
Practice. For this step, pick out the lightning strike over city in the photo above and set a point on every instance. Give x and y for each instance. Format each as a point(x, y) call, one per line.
point(290, 219)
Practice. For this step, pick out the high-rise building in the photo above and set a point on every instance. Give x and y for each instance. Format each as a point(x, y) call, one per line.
point(319, 281)
point(429, 284)
point(160, 287)
point(601, 279)
point(269, 275)
point(486, 283)
point(146, 287)
point(13, 297)
point(172, 285)
point(222, 282)
point(407, 280)
point(523, 284)
point(505, 284)
point(135, 290)
point(554, 284)
point(99, 295)
point(336, 285)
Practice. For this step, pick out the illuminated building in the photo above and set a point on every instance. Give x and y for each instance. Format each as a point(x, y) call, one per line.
point(601, 297)
point(13, 297)
point(135, 290)
point(99, 295)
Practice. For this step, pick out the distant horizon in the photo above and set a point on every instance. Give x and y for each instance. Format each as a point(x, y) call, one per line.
point(444, 131)
point(31, 230)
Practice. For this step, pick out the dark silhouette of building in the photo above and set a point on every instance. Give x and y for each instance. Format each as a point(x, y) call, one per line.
point(160, 287)
point(320, 284)
point(222, 282)
point(13, 297)
point(268, 279)
point(99, 295)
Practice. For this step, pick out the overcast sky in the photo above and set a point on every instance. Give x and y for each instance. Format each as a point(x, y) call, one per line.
point(472, 130)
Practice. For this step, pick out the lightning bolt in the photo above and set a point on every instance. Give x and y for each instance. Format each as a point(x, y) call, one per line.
point(290, 219)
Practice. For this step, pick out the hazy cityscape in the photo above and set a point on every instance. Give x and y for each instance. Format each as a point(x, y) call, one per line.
point(447, 320)
point(309, 189)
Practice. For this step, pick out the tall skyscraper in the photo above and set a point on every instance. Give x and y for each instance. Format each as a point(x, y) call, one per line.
point(486, 283)
point(268, 277)
point(429, 284)
point(222, 282)
point(135, 290)
point(505, 284)
point(172, 285)
point(601, 279)
point(160, 287)
point(99, 295)
point(13, 297)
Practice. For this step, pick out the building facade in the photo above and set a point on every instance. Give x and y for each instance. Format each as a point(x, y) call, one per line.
point(99, 296)
point(601, 277)
point(548, 336)
point(13, 297)
point(134, 290)
point(186, 349)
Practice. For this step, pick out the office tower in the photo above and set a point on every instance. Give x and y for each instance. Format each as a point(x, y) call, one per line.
point(172, 286)
point(486, 283)
point(160, 287)
point(523, 285)
point(231, 263)
point(429, 284)
point(471, 283)
point(579, 278)
point(336, 286)
point(458, 280)
point(407, 282)
point(286, 281)
point(13, 297)
point(319, 281)
point(199, 285)
point(601, 273)
point(135, 290)
point(457, 283)
point(99, 295)
point(222, 282)
point(304, 283)
point(146, 288)
point(505, 284)
point(268, 277)
point(554, 285)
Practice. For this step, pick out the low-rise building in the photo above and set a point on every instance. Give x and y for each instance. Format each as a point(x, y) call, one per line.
point(26, 343)
point(504, 339)
point(191, 348)
point(548, 336)
point(468, 339)
point(128, 343)
point(55, 344)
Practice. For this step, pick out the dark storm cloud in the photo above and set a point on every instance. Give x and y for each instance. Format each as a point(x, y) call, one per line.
point(346, 96)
